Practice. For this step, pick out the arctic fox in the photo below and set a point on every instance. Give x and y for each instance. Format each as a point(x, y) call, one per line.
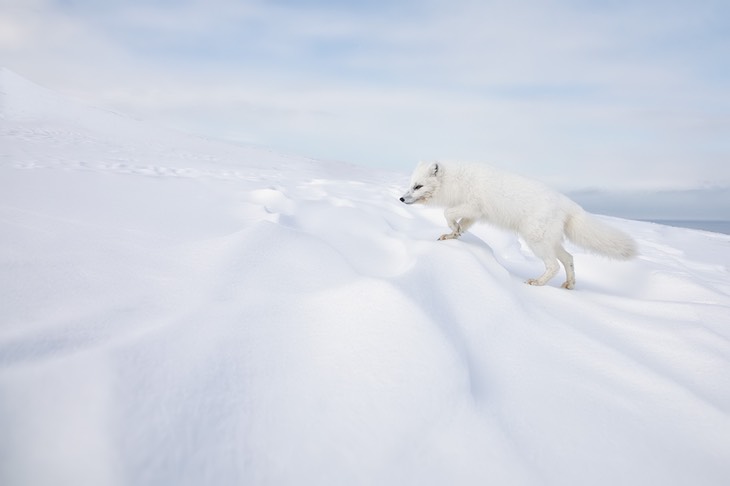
point(471, 192)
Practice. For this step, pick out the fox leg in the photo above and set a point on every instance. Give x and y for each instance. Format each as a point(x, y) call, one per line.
point(546, 251)
point(458, 229)
point(567, 260)
point(551, 268)
point(459, 219)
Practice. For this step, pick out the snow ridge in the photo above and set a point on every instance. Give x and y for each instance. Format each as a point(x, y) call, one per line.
point(181, 311)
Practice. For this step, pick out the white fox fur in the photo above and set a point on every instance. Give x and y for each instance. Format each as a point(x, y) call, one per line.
point(472, 192)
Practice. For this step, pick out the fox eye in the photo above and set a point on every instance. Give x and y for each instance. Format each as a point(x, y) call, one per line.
point(417, 187)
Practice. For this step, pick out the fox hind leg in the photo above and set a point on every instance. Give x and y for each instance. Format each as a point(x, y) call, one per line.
point(545, 250)
point(551, 268)
point(550, 255)
point(567, 260)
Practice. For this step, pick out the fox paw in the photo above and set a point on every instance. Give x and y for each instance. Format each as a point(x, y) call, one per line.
point(568, 285)
point(449, 236)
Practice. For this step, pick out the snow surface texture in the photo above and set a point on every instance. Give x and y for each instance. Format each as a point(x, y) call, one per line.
point(177, 311)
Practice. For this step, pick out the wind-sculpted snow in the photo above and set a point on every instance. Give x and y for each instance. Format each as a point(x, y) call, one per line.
point(179, 311)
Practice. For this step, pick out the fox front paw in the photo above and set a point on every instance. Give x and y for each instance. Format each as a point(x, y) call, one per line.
point(448, 236)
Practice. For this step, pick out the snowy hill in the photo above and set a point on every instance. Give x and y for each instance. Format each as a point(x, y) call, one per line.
point(180, 311)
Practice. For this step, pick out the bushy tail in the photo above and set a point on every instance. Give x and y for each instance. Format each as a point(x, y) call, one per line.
point(587, 231)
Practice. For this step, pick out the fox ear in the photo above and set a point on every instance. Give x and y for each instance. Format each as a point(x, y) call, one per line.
point(434, 169)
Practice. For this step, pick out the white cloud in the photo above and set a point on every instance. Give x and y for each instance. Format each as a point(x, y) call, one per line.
point(576, 93)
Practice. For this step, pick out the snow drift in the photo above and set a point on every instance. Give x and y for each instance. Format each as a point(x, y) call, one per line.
point(181, 311)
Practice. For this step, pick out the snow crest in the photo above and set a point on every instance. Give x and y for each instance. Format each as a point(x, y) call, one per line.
point(181, 311)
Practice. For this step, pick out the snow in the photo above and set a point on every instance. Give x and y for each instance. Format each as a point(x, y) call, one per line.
point(177, 310)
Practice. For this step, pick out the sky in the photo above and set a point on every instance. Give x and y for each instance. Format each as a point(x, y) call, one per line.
point(629, 95)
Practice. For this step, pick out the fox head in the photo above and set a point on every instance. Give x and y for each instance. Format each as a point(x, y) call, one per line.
point(424, 182)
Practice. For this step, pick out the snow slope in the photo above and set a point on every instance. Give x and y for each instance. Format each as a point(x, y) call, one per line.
point(177, 311)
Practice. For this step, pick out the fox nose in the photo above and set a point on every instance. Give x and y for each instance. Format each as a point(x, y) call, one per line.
point(402, 199)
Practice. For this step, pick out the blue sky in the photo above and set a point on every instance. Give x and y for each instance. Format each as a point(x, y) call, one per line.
point(581, 94)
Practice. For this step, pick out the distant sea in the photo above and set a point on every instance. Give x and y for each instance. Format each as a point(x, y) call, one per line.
point(714, 226)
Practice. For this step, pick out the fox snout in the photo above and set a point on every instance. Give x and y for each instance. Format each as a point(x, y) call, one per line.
point(416, 195)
